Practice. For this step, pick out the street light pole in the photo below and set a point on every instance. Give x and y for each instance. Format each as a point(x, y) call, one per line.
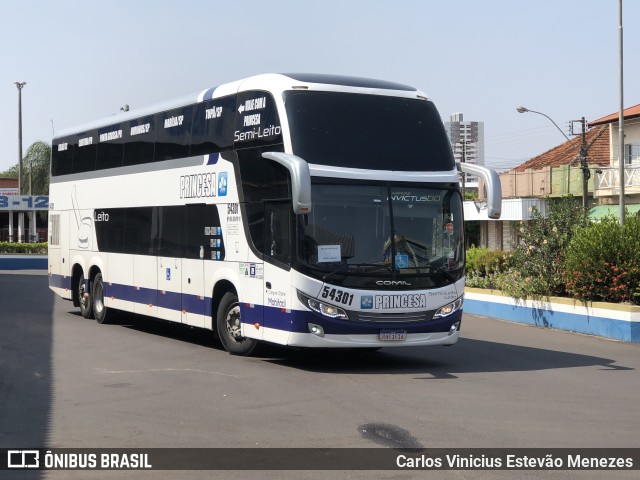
point(621, 118)
point(20, 86)
point(524, 109)
point(583, 154)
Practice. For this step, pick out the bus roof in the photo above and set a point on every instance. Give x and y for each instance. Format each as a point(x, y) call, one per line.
point(231, 87)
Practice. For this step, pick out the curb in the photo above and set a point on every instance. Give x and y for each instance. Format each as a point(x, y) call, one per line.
point(607, 320)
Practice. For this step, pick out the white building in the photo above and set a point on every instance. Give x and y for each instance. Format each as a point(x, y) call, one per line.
point(467, 142)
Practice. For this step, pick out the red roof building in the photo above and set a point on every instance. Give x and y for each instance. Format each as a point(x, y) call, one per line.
point(567, 153)
point(629, 113)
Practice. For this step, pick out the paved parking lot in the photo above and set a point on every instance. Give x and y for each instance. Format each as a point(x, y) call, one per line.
point(69, 382)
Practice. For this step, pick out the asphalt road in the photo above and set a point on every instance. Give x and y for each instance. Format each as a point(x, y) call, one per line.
point(70, 382)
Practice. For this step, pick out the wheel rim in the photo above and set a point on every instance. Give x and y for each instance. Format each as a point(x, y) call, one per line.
point(233, 324)
point(82, 291)
point(98, 297)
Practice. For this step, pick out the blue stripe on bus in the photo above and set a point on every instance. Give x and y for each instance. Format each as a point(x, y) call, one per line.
point(170, 300)
point(298, 321)
point(208, 95)
point(60, 281)
point(212, 158)
point(269, 317)
point(195, 304)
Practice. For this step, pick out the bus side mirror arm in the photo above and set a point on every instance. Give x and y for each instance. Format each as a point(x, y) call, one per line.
point(300, 179)
point(492, 186)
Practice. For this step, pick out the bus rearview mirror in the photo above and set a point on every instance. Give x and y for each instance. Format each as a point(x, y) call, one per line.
point(300, 179)
point(492, 186)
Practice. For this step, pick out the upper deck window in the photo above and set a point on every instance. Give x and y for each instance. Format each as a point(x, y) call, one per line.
point(173, 133)
point(367, 131)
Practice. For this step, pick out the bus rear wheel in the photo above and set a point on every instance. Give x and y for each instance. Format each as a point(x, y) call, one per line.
point(228, 324)
point(100, 311)
point(84, 298)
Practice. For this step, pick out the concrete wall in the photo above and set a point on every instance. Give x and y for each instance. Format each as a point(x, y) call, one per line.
point(23, 262)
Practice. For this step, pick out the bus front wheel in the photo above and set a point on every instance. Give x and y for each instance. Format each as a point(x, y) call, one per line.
point(229, 327)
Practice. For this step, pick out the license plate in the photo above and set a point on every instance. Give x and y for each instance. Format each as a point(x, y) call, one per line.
point(393, 335)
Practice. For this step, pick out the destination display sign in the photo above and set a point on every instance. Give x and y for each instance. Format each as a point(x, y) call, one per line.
point(257, 120)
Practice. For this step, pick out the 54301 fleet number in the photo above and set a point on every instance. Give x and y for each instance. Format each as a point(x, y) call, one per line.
point(337, 296)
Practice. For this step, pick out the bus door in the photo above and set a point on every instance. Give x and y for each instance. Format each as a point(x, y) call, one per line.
point(193, 298)
point(277, 280)
point(140, 238)
point(171, 222)
point(201, 243)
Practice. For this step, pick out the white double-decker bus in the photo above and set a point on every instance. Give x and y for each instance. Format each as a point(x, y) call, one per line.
point(297, 209)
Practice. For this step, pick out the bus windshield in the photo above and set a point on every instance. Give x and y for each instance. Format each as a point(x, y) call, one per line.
point(367, 131)
point(383, 230)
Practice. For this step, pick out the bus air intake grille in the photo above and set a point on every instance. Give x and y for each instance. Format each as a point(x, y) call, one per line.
point(405, 317)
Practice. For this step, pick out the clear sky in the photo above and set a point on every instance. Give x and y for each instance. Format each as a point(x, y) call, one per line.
point(83, 60)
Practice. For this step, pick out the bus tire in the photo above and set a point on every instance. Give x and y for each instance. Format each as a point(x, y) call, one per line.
point(100, 311)
point(228, 324)
point(84, 298)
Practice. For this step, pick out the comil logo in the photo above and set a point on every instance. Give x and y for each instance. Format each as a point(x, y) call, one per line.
point(393, 283)
point(23, 459)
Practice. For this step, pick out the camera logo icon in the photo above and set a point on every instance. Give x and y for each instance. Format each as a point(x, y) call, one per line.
point(23, 459)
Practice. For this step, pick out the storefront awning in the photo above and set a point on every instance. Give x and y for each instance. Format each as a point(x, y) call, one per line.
point(601, 211)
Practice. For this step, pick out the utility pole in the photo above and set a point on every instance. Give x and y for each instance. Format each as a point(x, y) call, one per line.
point(586, 174)
point(582, 157)
point(20, 86)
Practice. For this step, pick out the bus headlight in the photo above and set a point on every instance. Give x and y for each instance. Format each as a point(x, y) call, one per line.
point(450, 308)
point(322, 308)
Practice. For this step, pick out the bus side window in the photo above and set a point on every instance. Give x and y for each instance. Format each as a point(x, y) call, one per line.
point(85, 152)
point(277, 230)
point(140, 231)
point(111, 146)
point(213, 126)
point(173, 133)
point(171, 225)
point(267, 200)
point(139, 147)
point(62, 156)
point(110, 234)
point(202, 238)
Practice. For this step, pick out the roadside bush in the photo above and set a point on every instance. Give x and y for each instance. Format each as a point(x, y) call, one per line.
point(14, 247)
point(603, 262)
point(535, 266)
point(483, 281)
point(483, 262)
point(484, 267)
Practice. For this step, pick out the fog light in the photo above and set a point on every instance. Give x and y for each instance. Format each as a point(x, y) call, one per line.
point(316, 329)
point(454, 328)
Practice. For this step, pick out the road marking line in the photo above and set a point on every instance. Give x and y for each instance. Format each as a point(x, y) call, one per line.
point(102, 370)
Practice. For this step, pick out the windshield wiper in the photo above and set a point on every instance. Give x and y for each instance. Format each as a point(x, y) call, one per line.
point(441, 270)
point(347, 265)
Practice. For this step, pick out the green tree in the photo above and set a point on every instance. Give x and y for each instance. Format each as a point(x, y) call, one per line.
point(535, 266)
point(35, 163)
point(10, 173)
